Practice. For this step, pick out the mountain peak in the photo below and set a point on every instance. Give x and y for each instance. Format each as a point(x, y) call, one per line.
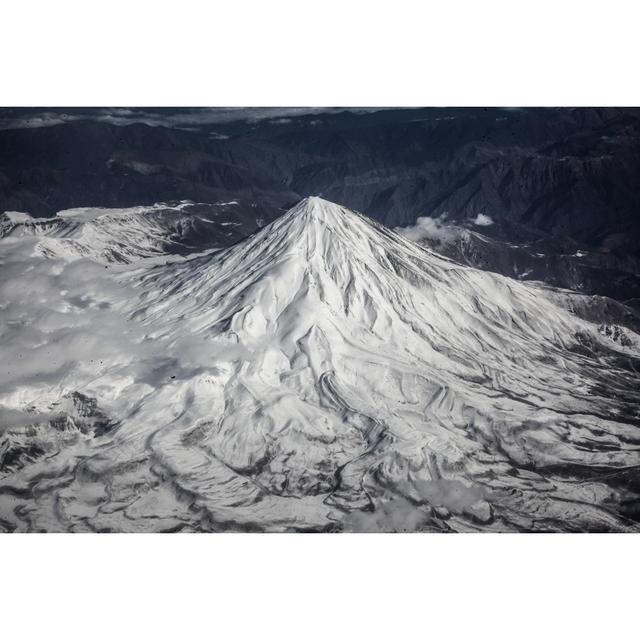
point(326, 235)
point(313, 226)
point(314, 208)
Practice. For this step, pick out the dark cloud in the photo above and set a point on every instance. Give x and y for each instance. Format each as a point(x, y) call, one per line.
point(180, 118)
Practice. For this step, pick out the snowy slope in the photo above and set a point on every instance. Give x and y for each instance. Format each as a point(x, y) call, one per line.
point(324, 374)
point(128, 235)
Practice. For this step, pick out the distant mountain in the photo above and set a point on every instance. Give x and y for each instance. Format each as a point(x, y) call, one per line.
point(324, 374)
point(129, 235)
point(90, 164)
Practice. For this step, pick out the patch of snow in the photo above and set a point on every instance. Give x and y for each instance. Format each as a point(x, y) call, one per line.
point(19, 217)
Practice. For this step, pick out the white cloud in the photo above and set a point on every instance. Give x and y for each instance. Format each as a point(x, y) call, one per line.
point(70, 328)
point(432, 229)
point(14, 419)
point(482, 220)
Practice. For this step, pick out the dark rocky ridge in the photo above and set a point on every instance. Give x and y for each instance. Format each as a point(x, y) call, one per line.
point(558, 263)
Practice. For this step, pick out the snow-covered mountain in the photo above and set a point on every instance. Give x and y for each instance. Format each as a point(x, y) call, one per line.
point(129, 235)
point(325, 373)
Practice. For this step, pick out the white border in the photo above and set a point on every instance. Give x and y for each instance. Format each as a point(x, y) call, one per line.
point(330, 53)
point(319, 586)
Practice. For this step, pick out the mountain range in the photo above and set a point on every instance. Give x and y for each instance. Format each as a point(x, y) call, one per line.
point(556, 184)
